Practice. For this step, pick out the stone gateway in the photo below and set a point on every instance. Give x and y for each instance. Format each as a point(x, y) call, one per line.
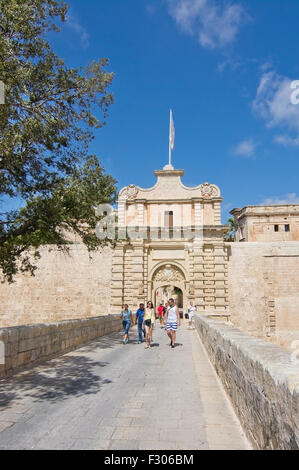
point(175, 246)
point(171, 244)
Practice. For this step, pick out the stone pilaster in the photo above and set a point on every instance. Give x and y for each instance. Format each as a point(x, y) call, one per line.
point(137, 273)
point(217, 213)
point(208, 277)
point(221, 279)
point(117, 280)
point(198, 277)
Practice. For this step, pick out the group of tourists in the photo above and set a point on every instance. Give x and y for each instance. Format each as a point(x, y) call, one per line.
point(168, 315)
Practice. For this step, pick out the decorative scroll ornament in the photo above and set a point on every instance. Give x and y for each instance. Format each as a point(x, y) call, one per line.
point(168, 274)
point(130, 192)
point(208, 191)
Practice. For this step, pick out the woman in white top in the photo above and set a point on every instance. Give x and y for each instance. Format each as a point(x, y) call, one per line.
point(173, 321)
point(149, 319)
point(191, 310)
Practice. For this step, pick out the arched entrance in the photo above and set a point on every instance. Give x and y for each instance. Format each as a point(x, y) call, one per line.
point(164, 293)
point(168, 281)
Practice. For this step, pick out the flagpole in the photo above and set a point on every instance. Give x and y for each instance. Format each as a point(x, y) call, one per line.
point(169, 137)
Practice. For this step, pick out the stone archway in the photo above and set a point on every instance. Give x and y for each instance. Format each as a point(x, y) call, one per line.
point(164, 293)
point(169, 281)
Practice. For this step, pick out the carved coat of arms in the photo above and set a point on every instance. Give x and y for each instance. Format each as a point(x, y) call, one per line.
point(168, 274)
point(130, 192)
point(208, 191)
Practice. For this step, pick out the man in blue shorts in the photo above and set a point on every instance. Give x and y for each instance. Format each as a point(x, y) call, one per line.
point(139, 317)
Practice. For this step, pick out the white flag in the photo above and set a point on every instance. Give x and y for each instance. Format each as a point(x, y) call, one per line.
point(171, 132)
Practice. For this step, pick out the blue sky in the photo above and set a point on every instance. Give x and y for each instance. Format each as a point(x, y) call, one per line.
point(225, 69)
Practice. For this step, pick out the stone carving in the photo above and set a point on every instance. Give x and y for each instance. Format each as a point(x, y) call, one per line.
point(169, 273)
point(140, 289)
point(209, 191)
point(130, 192)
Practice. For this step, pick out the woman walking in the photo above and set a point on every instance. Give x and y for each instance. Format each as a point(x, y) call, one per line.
point(126, 316)
point(148, 322)
point(173, 321)
point(191, 310)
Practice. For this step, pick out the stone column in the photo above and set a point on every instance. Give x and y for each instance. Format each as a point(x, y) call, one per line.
point(208, 277)
point(137, 273)
point(128, 281)
point(217, 213)
point(117, 280)
point(198, 276)
point(121, 214)
point(145, 272)
point(221, 279)
point(198, 213)
point(140, 214)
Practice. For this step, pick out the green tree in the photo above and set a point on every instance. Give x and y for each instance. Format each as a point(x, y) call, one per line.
point(46, 124)
point(230, 234)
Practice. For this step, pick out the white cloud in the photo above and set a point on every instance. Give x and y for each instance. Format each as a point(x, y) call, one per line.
point(290, 198)
point(230, 62)
point(287, 141)
point(266, 66)
point(246, 148)
point(73, 24)
point(273, 104)
point(214, 24)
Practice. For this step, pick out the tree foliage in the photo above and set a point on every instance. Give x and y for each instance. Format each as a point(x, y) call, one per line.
point(46, 124)
point(230, 234)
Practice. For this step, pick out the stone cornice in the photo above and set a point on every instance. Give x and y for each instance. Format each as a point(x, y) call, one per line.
point(175, 201)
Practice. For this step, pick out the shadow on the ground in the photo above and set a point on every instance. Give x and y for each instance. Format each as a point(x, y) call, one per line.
point(110, 341)
point(72, 374)
point(175, 344)
point(57, 380)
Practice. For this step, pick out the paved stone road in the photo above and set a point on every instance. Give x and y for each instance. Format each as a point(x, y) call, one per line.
point(110, 396)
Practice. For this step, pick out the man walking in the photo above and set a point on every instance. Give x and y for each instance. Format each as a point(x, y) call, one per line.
point(139, 318)
point(160, 312)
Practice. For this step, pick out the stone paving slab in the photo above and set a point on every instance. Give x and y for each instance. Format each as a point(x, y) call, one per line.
point(107, 395)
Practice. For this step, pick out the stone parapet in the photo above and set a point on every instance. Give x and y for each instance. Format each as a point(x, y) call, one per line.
point(261, 380)
point(27, 345)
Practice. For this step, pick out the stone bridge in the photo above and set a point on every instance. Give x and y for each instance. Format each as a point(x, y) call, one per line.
point(74, 385)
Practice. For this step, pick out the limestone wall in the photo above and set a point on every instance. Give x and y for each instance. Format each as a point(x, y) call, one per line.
point(261, 380)
point(65, 286)
point(263, 289)
point(27, 345)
